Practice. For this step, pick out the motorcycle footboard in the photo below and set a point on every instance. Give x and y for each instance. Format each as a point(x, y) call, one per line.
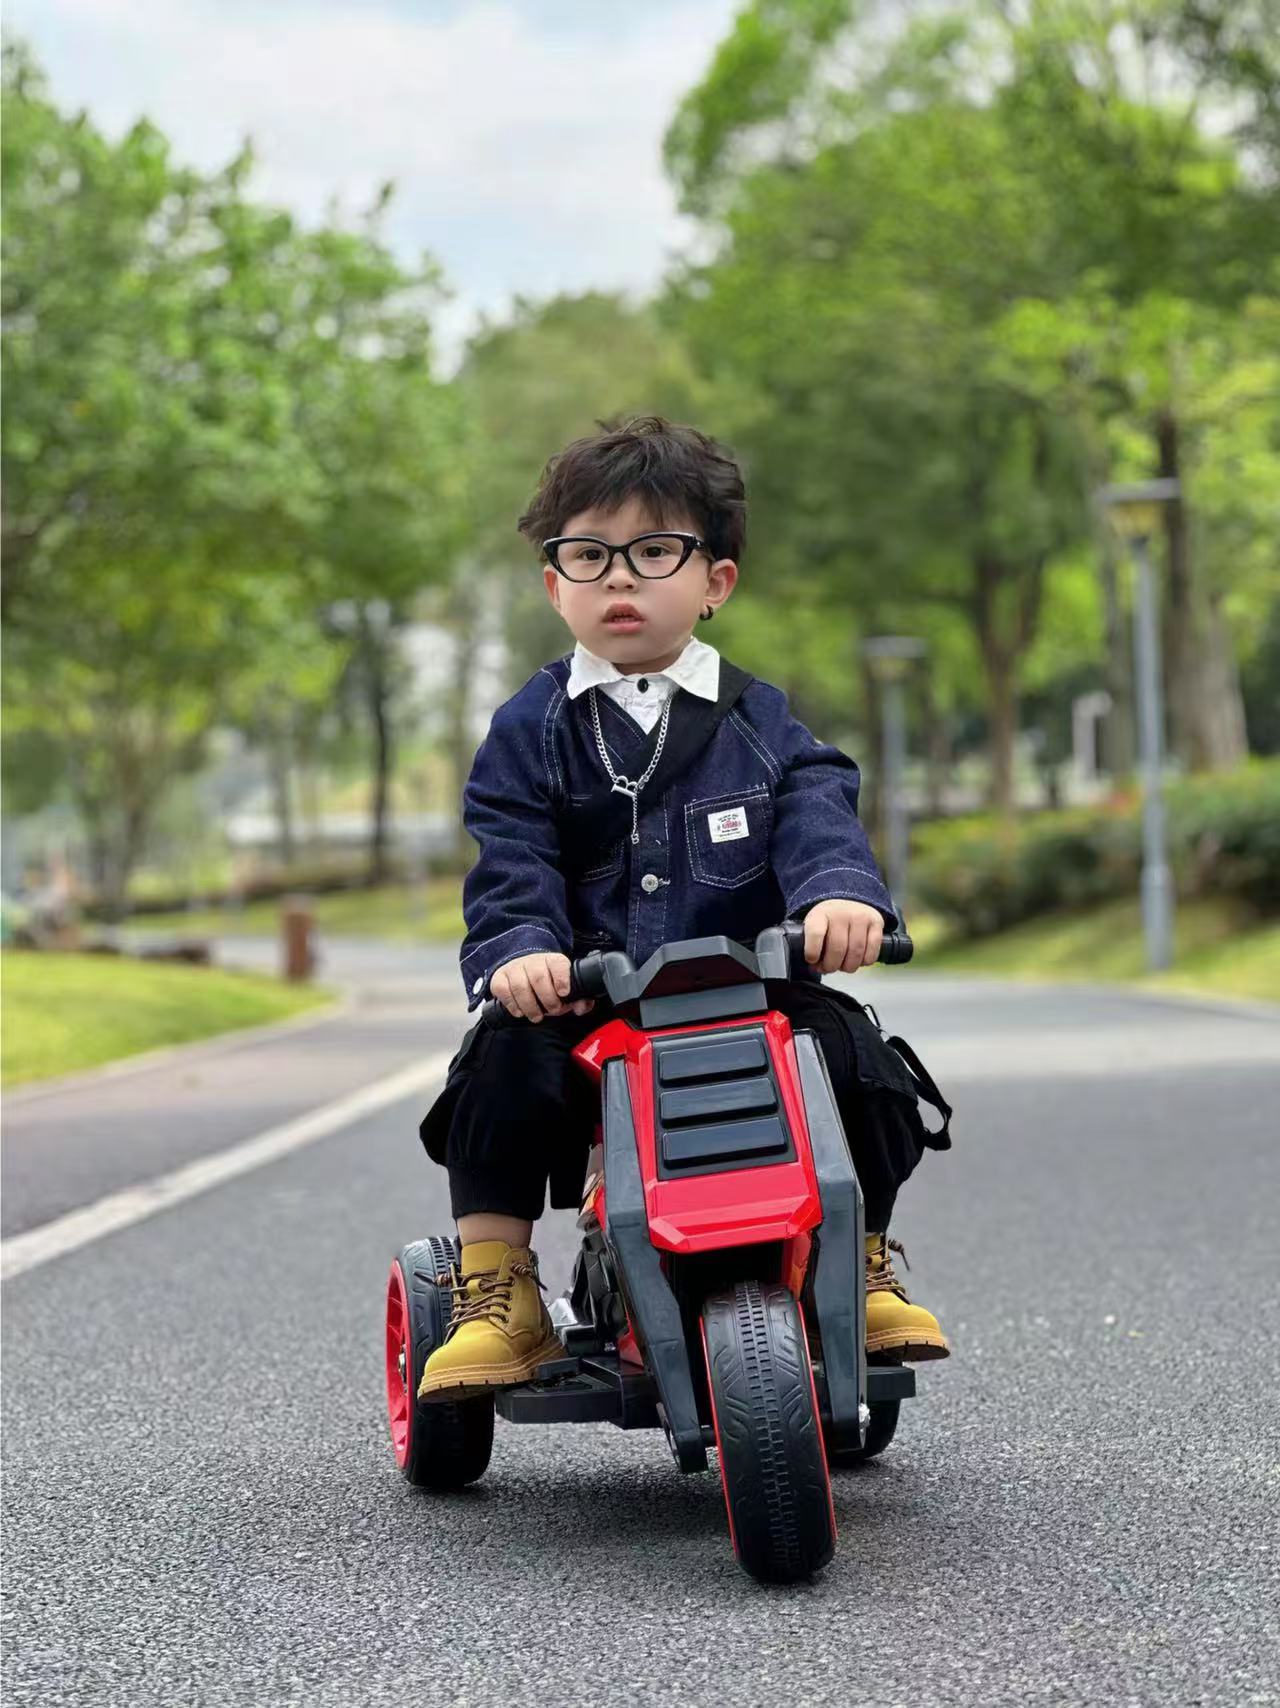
point(839, 1288)
point(582, 1390)
point(651, 1305)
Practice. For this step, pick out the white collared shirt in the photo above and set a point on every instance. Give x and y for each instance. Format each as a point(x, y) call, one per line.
point(697, 670)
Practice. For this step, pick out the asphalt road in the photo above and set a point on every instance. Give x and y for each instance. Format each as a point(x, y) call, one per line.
point(200, 1504)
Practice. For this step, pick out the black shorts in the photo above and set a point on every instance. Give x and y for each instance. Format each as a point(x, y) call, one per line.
point(516, 1114)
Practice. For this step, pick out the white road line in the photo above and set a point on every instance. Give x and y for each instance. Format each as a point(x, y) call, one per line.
point(121, 1209)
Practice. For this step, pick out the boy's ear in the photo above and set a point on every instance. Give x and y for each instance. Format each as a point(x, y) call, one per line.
point(722, 578)
point(551, 581)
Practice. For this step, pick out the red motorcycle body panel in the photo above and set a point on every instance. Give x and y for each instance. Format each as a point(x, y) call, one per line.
point(772, 1202)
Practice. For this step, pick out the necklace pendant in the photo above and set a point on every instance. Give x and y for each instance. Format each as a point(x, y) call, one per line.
point(624, 786)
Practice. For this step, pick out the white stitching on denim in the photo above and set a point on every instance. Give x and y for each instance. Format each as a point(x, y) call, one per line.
point(488, 943)
point(630, 723)
point(751, 792)
point(607, 870)
point(556, 783)
point(760, 745)
point(664, 889)
point(699, 874)
point(826, 871)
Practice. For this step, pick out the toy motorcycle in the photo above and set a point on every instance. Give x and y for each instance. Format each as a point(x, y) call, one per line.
point(719, 1292)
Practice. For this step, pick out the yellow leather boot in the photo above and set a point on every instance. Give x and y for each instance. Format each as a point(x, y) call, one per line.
point(894, 1324)
point(499, 1332)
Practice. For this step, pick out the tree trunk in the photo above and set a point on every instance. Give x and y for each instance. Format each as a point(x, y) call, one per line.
point(1005, 607)
point(1228, 736)
point(939, 756)
point(1117, 741)
point(1002, 725)
point(1181, 654)
point(282, 795)
point(1206, 706)
point(378, 700)
point(98, 848)
point(463, 620)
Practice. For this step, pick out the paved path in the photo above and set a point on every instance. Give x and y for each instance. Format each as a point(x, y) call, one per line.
point(65, 1148)
point(200, 1504)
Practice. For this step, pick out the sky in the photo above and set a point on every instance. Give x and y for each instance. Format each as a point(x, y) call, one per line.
point(524, 136)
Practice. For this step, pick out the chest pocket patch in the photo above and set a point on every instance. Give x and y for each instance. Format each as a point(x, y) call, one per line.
point(729, 825)
point(728, 837)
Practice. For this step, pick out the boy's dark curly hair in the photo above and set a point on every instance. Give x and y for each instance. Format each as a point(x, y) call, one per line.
point(674, 469)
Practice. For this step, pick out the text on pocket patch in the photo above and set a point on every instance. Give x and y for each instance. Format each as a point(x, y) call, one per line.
point(729, 825)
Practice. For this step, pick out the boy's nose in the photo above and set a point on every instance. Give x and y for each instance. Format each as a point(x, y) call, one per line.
point(620, 573)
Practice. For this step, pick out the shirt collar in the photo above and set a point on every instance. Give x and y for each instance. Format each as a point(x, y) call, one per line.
point(697, 670)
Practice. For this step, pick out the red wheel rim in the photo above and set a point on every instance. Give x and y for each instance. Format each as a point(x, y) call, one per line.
point(399, 1367)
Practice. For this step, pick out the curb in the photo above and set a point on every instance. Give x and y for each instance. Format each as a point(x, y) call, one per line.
point(198, 1050)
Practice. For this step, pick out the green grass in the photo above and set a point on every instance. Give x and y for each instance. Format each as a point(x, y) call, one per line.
point(62, 1013)
point(1215, 950)
point(396, 913)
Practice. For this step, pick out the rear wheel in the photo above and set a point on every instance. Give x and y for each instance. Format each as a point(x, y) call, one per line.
point(768, 1435)
point(880, 1432)
point(443, 1445)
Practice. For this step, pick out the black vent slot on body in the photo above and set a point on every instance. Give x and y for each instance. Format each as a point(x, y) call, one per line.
point(718, 1104)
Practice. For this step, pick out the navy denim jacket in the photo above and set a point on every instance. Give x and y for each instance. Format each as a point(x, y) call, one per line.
point(763, 824)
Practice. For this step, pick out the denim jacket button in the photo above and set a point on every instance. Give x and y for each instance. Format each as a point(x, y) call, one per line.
point(477, 987)
point(649, 883)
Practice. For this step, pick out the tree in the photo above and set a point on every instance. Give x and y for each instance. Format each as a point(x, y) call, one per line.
point(217, 425)
point(901, 197)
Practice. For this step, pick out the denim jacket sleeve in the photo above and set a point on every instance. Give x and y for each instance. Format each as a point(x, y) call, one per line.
point(819, 850)
point(513, 899)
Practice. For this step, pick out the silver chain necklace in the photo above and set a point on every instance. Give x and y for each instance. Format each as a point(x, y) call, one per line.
point(624, 785)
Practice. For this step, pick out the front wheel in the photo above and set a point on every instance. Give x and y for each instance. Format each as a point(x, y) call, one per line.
point(445, 1445)
point(768, 1435)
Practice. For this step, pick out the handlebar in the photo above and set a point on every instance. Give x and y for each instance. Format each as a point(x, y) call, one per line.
point(778, 943)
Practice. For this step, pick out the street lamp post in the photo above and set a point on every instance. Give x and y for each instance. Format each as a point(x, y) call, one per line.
point(890, 656)
point(1135, 510)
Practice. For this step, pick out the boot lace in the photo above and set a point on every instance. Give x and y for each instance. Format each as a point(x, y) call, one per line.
point(880, 1275)
point(480, 1297)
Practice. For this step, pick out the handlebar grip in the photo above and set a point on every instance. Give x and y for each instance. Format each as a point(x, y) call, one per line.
point(896, 948)
point(586, 979)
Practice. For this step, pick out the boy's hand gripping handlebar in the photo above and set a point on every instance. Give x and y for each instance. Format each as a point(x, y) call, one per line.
point(778, 947)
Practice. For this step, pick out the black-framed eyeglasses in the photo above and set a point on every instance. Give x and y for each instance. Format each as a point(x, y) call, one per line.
point(581, 557)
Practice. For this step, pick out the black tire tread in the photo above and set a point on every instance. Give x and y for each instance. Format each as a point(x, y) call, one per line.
point(771, 1451)
point(450, 1442)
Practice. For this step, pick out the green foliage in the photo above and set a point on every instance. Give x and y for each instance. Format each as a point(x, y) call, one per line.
point(970, 262)
point(548, 376)
point(65, 1013)
point(218, 425)
point(984, 875)
point(1215, 949)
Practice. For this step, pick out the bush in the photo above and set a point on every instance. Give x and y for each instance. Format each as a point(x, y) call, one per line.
point(324, 876)
point(984, 874)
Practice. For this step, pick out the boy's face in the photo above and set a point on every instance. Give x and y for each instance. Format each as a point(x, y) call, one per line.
point(637, 623)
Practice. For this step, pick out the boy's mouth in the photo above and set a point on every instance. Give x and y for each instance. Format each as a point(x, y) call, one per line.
point(623, 619)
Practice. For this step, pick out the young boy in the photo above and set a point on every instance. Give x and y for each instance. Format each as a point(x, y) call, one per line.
point(641, 529)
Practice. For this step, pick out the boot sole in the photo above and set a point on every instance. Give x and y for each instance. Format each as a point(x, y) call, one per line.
point(474, 1379)
point(910, 1351)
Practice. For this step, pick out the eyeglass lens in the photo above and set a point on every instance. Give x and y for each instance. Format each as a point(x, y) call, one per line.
point(651, 556)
